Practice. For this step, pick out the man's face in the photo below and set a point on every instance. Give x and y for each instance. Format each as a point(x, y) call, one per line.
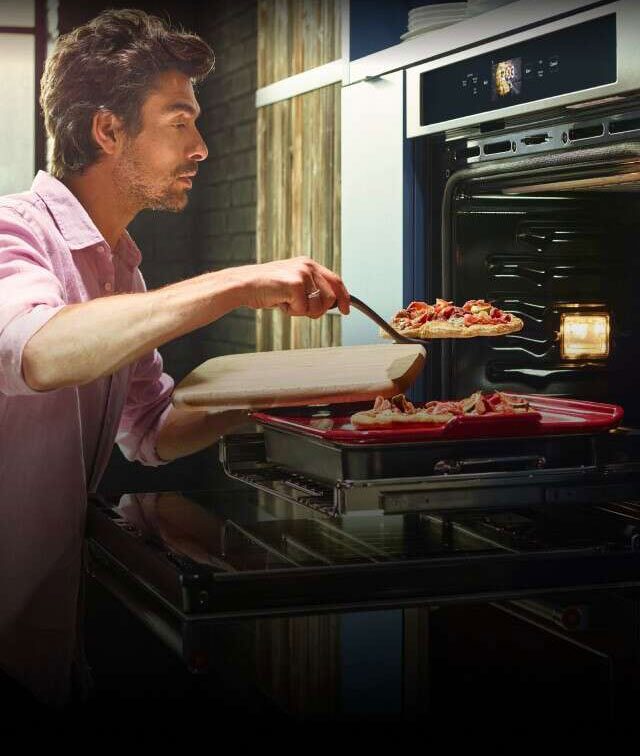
point(155, 168)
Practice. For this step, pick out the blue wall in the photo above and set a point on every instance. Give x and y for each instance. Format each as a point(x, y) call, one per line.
point(377, 24)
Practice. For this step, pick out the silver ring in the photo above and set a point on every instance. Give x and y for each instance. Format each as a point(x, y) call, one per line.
point(314, 294)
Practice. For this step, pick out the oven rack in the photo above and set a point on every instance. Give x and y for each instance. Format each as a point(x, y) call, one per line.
point(244, 459)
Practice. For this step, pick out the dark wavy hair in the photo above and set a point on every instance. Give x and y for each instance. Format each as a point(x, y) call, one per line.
point(110, 63)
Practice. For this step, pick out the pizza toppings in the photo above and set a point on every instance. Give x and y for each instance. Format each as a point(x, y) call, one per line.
point(479, 311)
point(399, 409)
point(480, 403)
point(444, 319)
point(473, 311)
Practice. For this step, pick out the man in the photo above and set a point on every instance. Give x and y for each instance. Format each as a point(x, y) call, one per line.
point(78, 332)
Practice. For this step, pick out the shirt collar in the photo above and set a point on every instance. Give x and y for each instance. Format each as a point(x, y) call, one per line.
point(75, 225)
point(127, 250)
point(72, 219)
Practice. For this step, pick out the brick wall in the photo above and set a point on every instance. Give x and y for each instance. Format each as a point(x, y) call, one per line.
point(225, 221)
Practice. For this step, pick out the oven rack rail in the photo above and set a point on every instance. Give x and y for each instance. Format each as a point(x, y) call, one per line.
point(244, 459)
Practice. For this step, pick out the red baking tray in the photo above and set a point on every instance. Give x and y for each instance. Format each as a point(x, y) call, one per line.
point(552, 416)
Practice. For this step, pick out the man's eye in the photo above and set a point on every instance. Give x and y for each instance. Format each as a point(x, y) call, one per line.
point(180, 125)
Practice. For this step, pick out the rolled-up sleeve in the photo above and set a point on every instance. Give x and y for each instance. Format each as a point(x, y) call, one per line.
point(30, 294)
point(147, 406)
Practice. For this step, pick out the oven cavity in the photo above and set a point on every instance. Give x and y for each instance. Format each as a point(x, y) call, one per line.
point(551, 239)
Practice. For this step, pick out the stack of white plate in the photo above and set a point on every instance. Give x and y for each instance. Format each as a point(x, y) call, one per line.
point(427, 18)
point(476, 7)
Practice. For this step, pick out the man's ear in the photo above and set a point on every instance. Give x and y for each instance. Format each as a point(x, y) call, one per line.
point(107, 131)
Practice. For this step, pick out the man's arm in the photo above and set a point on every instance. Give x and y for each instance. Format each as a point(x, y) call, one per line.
point(188, 431)
point(86, 341)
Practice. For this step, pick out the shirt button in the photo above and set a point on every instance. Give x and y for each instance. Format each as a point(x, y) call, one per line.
point(108, 286)
point(100, 248)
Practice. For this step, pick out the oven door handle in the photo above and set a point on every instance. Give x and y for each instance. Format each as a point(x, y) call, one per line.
point(488, 464)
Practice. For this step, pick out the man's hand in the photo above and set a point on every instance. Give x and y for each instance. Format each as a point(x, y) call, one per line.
point(298, 286)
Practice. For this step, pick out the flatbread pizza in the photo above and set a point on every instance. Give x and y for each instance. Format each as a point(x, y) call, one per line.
point(444, 320)
point(399, 410)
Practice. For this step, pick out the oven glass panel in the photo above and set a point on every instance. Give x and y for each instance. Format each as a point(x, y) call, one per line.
point(228, 533)
point(568, 60)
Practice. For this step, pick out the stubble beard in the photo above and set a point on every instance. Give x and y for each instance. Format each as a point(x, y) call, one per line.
point(142, 190)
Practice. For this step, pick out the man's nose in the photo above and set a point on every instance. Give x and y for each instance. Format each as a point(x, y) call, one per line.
point(199, 151)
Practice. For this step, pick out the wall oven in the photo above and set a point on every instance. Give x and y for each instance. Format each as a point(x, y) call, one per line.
point(527, 151)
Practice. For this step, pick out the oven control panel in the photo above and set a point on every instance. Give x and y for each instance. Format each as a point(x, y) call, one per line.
point(568, 60)
point(590, 57)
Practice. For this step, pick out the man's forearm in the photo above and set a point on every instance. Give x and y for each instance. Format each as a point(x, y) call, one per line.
point(85, 341)
point(187, 431)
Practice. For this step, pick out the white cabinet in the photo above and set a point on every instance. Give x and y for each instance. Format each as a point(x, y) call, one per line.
point(372, 199)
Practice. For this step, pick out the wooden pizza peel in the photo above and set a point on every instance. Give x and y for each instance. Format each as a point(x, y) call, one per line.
point(262, 380)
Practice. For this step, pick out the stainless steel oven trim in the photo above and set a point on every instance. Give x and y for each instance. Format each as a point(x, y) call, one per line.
point(555, 136)
point(628, 68)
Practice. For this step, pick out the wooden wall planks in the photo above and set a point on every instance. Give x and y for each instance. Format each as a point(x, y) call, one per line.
point(298, 145)
point(296, 35)
point(297, 661)
point(299, 203)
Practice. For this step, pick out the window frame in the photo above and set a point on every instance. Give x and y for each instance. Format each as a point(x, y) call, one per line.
point(39, 32)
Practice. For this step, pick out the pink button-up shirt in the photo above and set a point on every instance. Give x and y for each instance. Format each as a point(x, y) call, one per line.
point(55, 445)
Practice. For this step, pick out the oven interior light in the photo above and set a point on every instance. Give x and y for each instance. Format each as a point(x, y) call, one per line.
point(584, 336)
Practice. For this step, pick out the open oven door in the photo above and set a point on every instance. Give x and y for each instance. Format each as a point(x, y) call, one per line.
point(243, 552)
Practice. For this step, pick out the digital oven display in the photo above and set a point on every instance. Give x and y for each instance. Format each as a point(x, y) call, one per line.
point(506, 78)
point(568, 60)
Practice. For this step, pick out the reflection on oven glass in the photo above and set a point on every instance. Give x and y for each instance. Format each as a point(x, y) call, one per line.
point(506, 78)
point(177, 522)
